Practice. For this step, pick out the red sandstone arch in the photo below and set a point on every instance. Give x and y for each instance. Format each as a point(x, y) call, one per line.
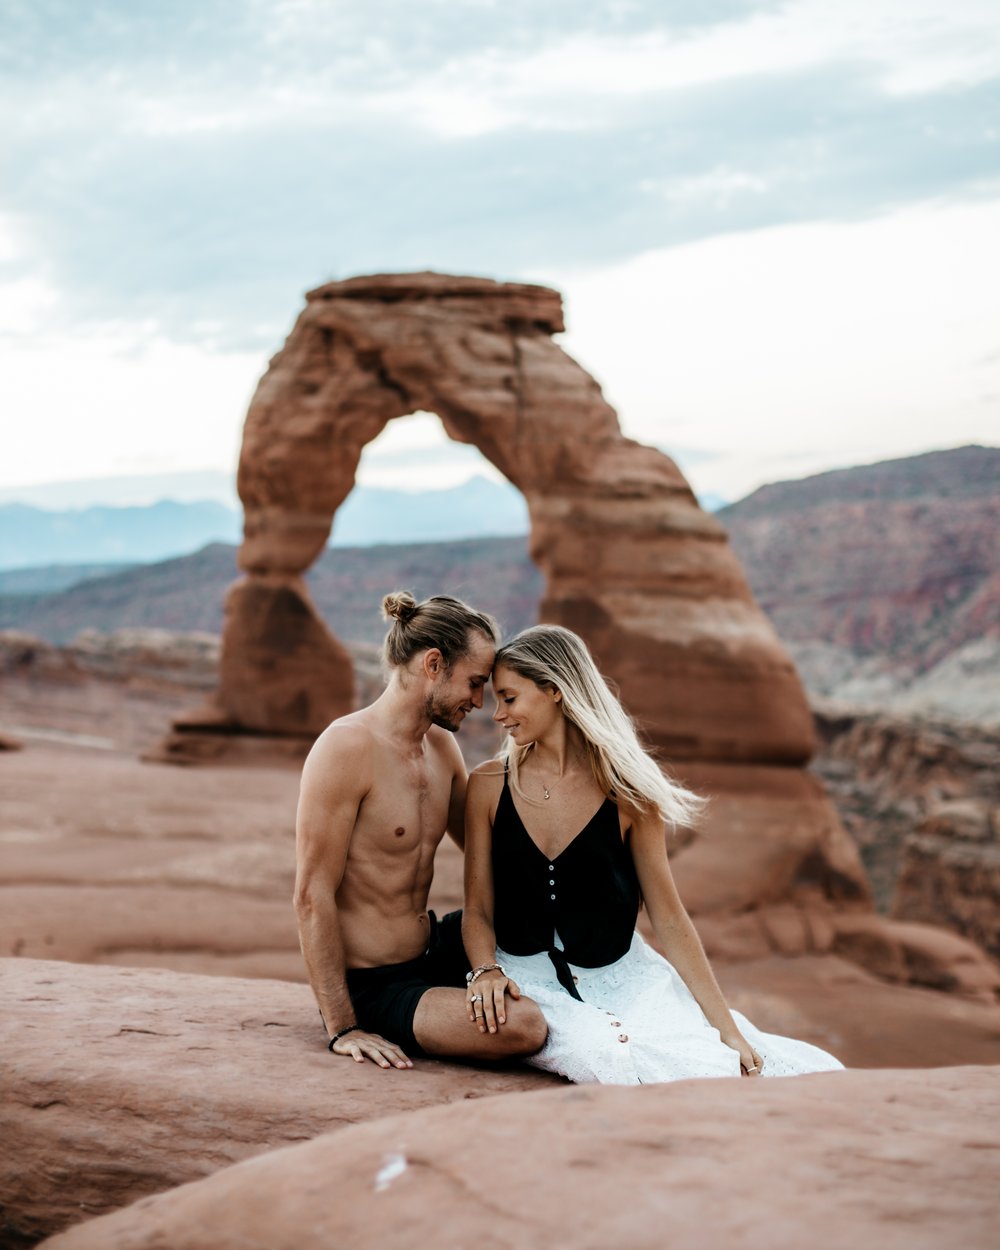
point(630, 560)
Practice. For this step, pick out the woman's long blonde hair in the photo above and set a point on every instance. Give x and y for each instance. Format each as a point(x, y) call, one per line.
point(556, 659)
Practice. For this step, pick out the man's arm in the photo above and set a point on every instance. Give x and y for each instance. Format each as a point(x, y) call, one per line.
point(335, 779)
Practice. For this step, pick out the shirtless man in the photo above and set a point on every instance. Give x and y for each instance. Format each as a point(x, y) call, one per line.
point(379, 789)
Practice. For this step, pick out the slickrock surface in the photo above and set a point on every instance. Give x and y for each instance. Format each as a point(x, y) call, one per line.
point(109, 860)
point(902, 1161)
point(630, 559)
point(122, 1082)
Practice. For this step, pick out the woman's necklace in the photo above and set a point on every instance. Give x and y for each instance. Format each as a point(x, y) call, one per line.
point(546, 790)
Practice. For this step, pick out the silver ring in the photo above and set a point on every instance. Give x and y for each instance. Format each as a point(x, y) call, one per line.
point(476, 998)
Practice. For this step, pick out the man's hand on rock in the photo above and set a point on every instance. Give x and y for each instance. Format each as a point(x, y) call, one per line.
point(361, 1046)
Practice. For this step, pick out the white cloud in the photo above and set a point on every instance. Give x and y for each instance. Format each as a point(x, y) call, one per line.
point(922, 46)
point(787, 351)
point(119, 401)
point(23, 305)
point(415, 453)
point(718, 186)
point(581, 81)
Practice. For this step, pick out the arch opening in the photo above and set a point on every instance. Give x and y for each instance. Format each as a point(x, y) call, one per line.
point(428, 515)
point(416, 484)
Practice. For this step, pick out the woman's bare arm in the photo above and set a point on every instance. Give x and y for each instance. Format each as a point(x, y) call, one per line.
point(676, 933)
point(477, 915)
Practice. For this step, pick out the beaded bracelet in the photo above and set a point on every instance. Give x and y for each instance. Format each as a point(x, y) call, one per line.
point(472, 977)
point(343, 1033)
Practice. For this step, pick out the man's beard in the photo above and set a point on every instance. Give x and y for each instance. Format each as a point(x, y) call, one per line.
point(445, 717)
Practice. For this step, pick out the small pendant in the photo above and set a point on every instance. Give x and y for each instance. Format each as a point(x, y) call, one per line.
point(545, 790)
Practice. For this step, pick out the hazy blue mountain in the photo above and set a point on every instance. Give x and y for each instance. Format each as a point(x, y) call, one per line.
point(479, 508)
point(37, 538)
point(32, 537)
point(51, 578)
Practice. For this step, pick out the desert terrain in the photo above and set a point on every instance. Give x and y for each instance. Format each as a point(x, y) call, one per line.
point(166, 1076)
point(158, 1025)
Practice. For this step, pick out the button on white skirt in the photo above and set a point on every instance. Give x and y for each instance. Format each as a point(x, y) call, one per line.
point(638, 1024)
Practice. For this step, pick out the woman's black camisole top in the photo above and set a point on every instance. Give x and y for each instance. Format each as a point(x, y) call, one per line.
point(588, 893)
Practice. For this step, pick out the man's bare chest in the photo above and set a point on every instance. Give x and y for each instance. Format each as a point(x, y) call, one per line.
point(407, 805)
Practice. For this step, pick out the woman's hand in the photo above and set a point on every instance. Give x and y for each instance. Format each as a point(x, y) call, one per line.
point(751, 1063)
point(485, 1000)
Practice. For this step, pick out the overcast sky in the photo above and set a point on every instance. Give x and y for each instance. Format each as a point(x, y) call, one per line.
point(776, 226)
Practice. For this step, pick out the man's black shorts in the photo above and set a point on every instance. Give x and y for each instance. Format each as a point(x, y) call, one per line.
point(385, 999)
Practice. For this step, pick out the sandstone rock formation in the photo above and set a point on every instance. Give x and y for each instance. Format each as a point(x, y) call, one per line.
point(122, 1082)
point(922, 800)
point(836, 1161)
point(949, 872)
point(630, 559)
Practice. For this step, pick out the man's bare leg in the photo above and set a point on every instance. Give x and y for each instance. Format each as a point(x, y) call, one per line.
point(442, 1027)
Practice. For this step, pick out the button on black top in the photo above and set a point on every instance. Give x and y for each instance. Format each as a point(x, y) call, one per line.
point(594, 907)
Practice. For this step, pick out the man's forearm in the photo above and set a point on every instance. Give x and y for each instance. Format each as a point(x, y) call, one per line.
point(323, 951)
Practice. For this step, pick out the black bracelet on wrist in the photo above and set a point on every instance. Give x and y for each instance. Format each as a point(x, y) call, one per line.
point(343, 1033)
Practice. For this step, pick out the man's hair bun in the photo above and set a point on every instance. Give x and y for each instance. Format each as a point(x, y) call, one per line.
point(400, 606)
point(442, 623)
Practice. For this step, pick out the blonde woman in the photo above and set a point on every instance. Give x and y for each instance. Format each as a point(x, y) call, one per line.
point(565, 839)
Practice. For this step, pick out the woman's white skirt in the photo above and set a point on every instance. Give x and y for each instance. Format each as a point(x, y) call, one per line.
point(639, 1023)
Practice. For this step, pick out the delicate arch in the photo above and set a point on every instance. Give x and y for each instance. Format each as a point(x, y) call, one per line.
point(631, 561)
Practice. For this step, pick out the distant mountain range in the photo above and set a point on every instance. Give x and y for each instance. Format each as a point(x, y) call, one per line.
point(883, 581)
point(900, 558)
point(187, 593)
point(49, 525)
point(31, 537)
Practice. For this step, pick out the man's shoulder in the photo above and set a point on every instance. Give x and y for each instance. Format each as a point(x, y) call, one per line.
point(348, 739)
